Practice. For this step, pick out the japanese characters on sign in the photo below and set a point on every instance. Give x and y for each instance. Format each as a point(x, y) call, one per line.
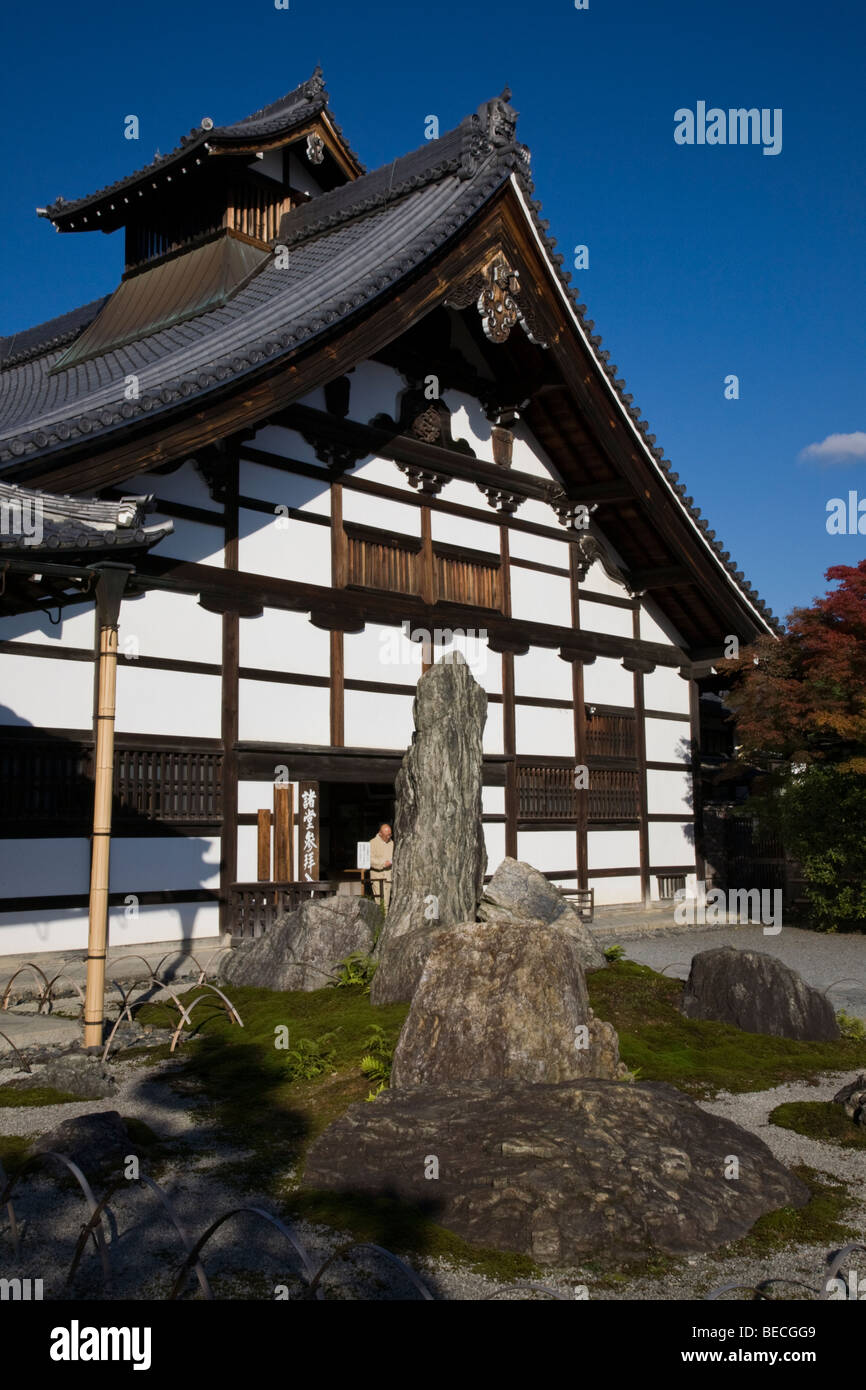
point(308, 831)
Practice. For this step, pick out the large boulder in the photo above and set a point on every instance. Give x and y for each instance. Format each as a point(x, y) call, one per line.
point(852, 1098)
point(586, 1169)
point(502, 1002)
point(303, 949)
point(518, 891)
point(756, 992)
point(439, 853)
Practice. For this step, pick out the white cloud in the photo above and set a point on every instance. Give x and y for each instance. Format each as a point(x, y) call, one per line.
point(836, 449)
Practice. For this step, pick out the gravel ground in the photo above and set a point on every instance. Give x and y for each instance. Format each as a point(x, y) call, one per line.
point(822, 960)
point(248, 1258)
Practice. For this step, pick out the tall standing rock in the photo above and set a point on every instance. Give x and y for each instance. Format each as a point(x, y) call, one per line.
point(439, 853)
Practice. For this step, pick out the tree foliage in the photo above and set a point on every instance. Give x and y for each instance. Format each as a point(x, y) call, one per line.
point(800, 706)
point(801, 699)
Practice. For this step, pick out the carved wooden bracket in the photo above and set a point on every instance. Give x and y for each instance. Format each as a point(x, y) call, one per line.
point(423, 479)
point(571, 513)
point(500, 499)
point(315, 148)
point(581, 654)
point(588, 550)
point(635, 663)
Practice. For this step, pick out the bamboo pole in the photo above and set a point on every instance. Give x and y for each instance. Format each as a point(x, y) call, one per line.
point(109, 591)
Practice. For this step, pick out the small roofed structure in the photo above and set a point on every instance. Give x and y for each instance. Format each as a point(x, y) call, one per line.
point(51, 546)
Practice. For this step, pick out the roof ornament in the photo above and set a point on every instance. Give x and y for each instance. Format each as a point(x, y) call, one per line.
point(314, 87)
point(207, 123)
point(315, 148)
point(501, 119)
point(496, 304)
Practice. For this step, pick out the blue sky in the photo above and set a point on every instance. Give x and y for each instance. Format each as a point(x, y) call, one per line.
point(704, 261)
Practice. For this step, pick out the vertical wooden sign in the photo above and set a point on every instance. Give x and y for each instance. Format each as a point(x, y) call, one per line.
point(263, 858)
point(283, 817)
point(308, 832)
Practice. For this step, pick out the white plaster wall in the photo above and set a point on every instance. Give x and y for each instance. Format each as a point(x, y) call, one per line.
point(375, 390)
point(275, 439)
point(665, 689)
point(45, 692)
point(279, 640)
point(39, 868)
point(613, 849)
point(186, 485)
point(399, 518)
point(182, 922)
point(385, 471)
point(469, 422)
point(610, 891)
point(544, 732)
point(605, 682)
point(670, 845)
point(493, 801)
point(167, 702)
point(465, 530)
point(547, 850)
point(494, 841)
point(377, 721)
point(529, 457)
point(172, 626)
point(493, 739)
point(667, 741)
point(256, 796)
point(31, 933)
point(194, 543)
point(542, 673)
point(381, 653)
point(75, 629)
point(537, 597)
point(283, 547)
point(269, 713)
point(168, 863)
point(248, 850)
point(539, 513)
point(544, 550)
point(655, 626)
point(668, 793)
point(284, 489)
point(599, 580)
point(603, 617)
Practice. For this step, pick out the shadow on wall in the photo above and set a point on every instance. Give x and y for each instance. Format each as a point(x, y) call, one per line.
point(46, 820)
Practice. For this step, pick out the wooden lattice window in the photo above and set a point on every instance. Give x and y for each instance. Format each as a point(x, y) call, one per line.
point(380, 561)
point(611, 736)
point(472, 581)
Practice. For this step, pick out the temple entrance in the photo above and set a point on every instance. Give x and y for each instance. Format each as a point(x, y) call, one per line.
point(349, 812)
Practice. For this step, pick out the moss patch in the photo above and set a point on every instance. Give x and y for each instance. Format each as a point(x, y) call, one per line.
point(820, 1222)
point(820, 1119)
point(13, 1153)
point(27, 1096)
point(699, 1056)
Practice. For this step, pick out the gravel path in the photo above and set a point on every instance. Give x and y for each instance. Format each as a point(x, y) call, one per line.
point(822, 960)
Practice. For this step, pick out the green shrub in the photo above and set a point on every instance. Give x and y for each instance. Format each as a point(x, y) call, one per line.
point(821, 816)
point(376, 1064)
point(850, 1026)
point(612, 953)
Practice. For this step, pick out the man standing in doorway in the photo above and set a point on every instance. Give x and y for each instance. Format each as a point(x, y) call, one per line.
point(381, 855)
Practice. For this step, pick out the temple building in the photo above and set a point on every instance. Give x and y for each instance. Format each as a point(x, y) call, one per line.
point(372, 424)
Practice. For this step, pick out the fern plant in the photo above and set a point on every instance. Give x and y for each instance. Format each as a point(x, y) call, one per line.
point(311, 1057)
point(376, 1064)
point(356, 969)
point(612, 953)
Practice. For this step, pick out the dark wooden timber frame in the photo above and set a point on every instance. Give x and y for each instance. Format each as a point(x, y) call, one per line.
point(503, 227)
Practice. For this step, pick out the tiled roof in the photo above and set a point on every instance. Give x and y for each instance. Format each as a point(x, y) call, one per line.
point(281, 117)
point(77, 525)
point(347, 248)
